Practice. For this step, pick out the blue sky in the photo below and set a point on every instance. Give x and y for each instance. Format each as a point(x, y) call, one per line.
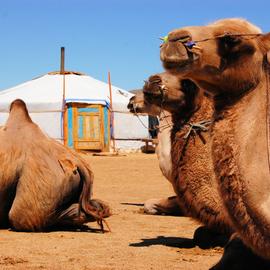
point(100, 36)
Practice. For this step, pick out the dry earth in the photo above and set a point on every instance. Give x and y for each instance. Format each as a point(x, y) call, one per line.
point(137, 241)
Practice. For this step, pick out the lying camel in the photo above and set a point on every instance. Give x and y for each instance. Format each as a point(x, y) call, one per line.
point(187, 164)
point(43, 184)
point(230, 60)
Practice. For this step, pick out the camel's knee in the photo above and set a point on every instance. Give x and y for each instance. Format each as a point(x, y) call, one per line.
point(151, 207)
point(19, 222)
point(168, 206)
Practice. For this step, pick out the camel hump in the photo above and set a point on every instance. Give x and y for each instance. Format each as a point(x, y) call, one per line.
point(18, 103)
point(18, 113)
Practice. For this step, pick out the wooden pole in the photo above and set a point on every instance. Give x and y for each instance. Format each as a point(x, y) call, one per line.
point(62, 63)
point(62, 72)
point(111, 111)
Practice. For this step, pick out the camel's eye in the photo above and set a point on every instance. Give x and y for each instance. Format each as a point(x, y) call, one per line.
point(230, 40)
point(183, 39)
point(178, 38)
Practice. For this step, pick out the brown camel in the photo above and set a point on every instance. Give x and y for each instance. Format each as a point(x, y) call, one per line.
point(43, 184)
point(189, 161)
point(230, 60)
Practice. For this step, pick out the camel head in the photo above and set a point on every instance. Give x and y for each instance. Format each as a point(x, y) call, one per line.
point(163, 87)
point(160, 92)
point(139, 105)
point(171, 92)
point(225, 57)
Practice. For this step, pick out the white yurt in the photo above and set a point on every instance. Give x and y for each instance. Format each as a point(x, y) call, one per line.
point(75, 108)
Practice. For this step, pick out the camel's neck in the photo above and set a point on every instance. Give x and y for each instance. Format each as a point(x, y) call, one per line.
point(224, 101)
point(240, 152)
point(163, 149)
point(171, 133)
point(181, 128)
point(193, 174)
point(194, 115)
point(244, 125)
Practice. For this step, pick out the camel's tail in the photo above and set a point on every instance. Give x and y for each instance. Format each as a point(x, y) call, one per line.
point(95, 208)
point(100, 210)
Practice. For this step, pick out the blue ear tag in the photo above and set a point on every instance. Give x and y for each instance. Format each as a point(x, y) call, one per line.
point(190, 44)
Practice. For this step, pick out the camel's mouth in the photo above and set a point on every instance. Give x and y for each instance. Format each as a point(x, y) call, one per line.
point(180, 66)
point(137, 110)
point(135, 107)
point(131, 105)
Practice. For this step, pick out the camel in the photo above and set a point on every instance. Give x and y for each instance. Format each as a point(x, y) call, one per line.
point(43, 184)
point(139, 105)
point(187, 163)
point(230, 60)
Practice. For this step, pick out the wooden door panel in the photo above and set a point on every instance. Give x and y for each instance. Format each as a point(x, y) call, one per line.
point(89, 128)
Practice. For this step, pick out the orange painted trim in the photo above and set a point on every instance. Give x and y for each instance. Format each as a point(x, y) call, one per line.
point(65, 126)
point(101, 124)
point(75, 126)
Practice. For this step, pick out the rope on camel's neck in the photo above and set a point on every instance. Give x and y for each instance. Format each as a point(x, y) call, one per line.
point(159, 128)
point(194, 130)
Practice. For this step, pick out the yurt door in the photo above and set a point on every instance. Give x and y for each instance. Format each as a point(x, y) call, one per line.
point(89, 132)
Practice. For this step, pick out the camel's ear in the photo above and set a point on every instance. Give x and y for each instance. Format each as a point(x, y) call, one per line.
point(230, 40)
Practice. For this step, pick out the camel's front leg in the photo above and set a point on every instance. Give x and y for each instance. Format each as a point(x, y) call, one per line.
point(168, 206)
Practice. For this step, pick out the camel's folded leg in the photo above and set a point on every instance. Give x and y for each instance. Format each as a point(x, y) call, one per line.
point(209, 238)
point(237, 256)
point(167, 206)
point(73, 217)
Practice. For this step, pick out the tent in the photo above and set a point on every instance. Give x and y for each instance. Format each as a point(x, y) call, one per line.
point(82, 121)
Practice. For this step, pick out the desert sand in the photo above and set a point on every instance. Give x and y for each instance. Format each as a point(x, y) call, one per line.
point(136, 240)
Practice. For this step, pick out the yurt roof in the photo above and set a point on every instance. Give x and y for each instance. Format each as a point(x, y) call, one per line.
point(46, 92)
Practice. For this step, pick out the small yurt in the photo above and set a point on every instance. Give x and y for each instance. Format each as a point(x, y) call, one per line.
point(80, 111)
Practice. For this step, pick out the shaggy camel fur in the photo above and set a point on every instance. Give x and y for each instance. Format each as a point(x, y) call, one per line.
point(230, 60)
point(43, 184)
point(191, 170)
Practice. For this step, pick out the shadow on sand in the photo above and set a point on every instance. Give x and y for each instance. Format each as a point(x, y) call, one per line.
point(177, 242)
point(133, 204)
point(82, 228)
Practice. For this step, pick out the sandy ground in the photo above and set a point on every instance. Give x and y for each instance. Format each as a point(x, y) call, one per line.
point(137, 241)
